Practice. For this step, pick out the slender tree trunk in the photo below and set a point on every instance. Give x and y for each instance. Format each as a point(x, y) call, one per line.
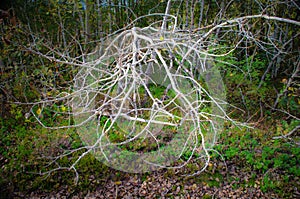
point(110, 17)
point(81, 20)
point(206, 14)
point(87, 25)
point(201, 13)
point(164, 24)
point(193, 4)
point(221, 13)
point(99, 20)
point(187, 14)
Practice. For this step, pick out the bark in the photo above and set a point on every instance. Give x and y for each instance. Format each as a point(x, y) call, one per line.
point(201, 13)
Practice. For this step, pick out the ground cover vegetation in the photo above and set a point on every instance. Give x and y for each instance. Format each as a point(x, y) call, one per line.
point(45, 44)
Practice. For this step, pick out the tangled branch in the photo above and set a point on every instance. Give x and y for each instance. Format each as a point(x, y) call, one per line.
point(138, 100)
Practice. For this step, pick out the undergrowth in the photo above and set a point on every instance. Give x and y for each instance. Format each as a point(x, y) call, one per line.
point(273, 165)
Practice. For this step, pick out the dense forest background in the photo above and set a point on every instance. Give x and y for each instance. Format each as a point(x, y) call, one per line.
point(44, 43)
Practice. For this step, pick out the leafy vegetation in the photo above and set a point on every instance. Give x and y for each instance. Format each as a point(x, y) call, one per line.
point(257, 159)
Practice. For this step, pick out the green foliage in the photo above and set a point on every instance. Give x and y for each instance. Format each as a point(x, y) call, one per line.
point(188, 154)
point(275, 160)
point(290, 100)
point(242, 78)
point(247, 90)
point(26, 150)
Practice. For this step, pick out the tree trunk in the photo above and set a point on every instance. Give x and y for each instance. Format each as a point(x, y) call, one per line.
point(201, 13)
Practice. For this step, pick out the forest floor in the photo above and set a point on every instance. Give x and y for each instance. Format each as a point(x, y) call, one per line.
point(163, 184)
point(253, 165)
